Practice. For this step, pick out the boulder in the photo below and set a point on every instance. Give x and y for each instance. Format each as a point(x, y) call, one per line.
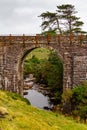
point(3, 112)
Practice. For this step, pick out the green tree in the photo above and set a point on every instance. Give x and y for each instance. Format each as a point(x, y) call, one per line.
point(71, 22)
point(30, 65)
point(50, 21)
point(63, 20)
point(52, 74)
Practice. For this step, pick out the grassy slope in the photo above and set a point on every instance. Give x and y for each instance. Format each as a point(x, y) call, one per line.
point(40, 53)
point(25, 117)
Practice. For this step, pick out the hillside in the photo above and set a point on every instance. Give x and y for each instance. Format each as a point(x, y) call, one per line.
point(21, 116)
point(40, 53)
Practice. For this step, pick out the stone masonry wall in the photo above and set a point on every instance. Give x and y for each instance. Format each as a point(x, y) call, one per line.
point(13, 49)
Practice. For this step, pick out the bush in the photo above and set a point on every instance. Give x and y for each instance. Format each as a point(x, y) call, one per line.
point(76, 99)
point(83, 113)
point(66, 100)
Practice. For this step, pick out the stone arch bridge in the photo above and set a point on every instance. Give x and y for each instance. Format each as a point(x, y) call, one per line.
point(72, 50)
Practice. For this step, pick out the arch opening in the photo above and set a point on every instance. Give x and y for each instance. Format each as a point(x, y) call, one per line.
point(44, 69)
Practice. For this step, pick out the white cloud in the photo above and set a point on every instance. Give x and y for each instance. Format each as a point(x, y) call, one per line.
point(21, 16)
point(23, 11)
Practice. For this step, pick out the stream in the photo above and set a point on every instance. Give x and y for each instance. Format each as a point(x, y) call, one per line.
point(38, 97)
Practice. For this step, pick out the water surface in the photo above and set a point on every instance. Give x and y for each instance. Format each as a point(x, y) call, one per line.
point(37, 99)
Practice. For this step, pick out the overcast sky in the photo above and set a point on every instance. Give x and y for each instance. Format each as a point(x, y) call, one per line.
point(21, 16)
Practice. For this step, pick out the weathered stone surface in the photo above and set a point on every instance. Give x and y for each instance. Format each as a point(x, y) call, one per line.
point(13, 50)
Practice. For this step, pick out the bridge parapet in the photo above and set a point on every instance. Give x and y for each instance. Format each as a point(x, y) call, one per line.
point(38, 39)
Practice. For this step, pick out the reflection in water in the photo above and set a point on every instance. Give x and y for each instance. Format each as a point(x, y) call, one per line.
point(38, 99)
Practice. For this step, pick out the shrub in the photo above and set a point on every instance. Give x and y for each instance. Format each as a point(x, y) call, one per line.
point(75, 101)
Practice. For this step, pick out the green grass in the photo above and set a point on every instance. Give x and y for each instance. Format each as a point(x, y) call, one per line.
point(40, 53)
point(22, 116)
